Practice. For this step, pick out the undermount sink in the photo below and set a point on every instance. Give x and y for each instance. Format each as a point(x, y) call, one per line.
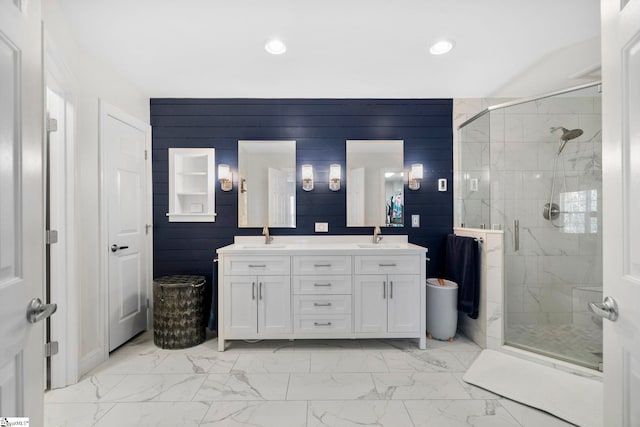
point(378, 246)
point(263, 246)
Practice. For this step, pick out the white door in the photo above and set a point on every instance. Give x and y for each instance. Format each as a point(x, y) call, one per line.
point(21, 210)
point(371, 303)
point(355, 197)
point(621, 187)
point(274, 304)
point(123, 143)
point(240, 311)
point(404, 303)
point(278, 206)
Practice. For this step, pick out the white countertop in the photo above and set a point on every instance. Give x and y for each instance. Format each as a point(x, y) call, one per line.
point(338, 245)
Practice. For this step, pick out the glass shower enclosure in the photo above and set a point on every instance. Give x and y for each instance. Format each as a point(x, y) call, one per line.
point(533, 168)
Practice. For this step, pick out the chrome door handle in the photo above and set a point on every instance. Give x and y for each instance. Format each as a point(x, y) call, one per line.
point(260, 290)
point(37, 310)
point(391, 290)
point(253, 290)
point(516, 235)
point(115, 247)
point(384, 290)
point(608, 309)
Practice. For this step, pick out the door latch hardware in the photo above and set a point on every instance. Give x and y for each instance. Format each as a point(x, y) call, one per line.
point(51, 237)
point(51, 349)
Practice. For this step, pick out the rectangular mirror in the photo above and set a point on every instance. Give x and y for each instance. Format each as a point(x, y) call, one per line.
point(375, 183)
point(267, 184)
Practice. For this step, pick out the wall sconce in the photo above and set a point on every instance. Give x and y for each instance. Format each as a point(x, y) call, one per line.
point(415, 176)
point(307, 177)
point(224, 176)
point(334, 177)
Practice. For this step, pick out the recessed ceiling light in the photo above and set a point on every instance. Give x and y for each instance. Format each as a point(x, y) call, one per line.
point(275, 47)
point(441, 47)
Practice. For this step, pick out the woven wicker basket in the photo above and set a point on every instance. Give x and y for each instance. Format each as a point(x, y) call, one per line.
point(178, 318)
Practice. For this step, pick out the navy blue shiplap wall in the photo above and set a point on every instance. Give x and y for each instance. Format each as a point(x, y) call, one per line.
point(320, 128)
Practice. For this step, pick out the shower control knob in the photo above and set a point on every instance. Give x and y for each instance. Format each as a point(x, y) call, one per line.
point(608, 309)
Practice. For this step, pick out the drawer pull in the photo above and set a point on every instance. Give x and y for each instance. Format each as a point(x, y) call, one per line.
point(387, 265)
point(391, 290)
point(257, 266)
point(317, 304)
point(384, 290)
point(321, 265)
point(253, 290)
point(322, 284)
point(321, 324)
point(260, 290)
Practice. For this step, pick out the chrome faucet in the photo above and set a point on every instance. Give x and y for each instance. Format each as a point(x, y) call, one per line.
point(267, 238)
point(377, 234)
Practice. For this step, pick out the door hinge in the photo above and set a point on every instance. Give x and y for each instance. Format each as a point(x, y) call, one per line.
point(52, 125)
point(51, 349)
point(148, 305)
point(146, 228)
point(51, 237)
point(145, 154)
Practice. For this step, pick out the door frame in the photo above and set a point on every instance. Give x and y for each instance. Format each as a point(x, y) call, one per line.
point(65, 366)
point(105, 109)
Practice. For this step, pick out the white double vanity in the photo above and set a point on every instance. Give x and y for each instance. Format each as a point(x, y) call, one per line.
point(321, 287)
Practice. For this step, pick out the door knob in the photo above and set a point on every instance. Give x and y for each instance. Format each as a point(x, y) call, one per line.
point(114, 247)
point(37, 310)
point(608, 309)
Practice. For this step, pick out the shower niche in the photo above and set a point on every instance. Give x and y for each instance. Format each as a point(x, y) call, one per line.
point(533, 169)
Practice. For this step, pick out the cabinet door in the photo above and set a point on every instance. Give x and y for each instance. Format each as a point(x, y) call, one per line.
point(404, 303)
point(371, 303)
point(274, 304)
point(240, 312)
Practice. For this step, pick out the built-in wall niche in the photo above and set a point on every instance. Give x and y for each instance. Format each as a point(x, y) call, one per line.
point(375, 183)
point(267, 184)
point(191, 185)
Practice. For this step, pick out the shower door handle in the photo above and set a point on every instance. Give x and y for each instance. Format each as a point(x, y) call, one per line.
point(608, 309)
point(516, 235)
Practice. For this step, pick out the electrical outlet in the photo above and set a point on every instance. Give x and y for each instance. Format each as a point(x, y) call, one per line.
point(415, 220)
point(322, 227)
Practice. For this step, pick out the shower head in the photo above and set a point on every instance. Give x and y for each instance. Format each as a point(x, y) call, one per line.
point(567, 135)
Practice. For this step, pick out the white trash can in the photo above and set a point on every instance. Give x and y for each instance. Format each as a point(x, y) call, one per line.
point(442, 309)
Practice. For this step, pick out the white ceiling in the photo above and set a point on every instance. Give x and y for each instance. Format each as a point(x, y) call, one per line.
point(341, 48)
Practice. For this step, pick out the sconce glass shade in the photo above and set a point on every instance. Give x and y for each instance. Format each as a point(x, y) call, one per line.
point(224, 176)
point(415, 176)
point(307, 177)
point(334, 177)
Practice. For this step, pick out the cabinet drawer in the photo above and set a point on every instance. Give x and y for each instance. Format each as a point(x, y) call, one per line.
point(262, 265)
point(398, 264)
point(318, 304)
point(322, 264)
point(322, 285)
point(322, 325)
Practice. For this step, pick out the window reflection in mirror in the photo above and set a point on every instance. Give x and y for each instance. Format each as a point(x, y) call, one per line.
point(375, 183)
point(267, 184)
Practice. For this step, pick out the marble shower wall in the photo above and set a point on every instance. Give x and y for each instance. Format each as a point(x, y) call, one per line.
point(514, 147)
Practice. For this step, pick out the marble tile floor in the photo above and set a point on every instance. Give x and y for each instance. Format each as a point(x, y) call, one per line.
point(287, 383)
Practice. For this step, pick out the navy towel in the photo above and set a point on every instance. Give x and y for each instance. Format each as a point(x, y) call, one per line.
point(463, 267)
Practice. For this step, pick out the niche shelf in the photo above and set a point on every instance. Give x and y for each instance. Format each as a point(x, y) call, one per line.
point(191, 185)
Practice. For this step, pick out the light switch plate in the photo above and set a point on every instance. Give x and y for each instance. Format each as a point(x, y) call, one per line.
point(322, 227)
point(442, 184)
point(415, 220)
